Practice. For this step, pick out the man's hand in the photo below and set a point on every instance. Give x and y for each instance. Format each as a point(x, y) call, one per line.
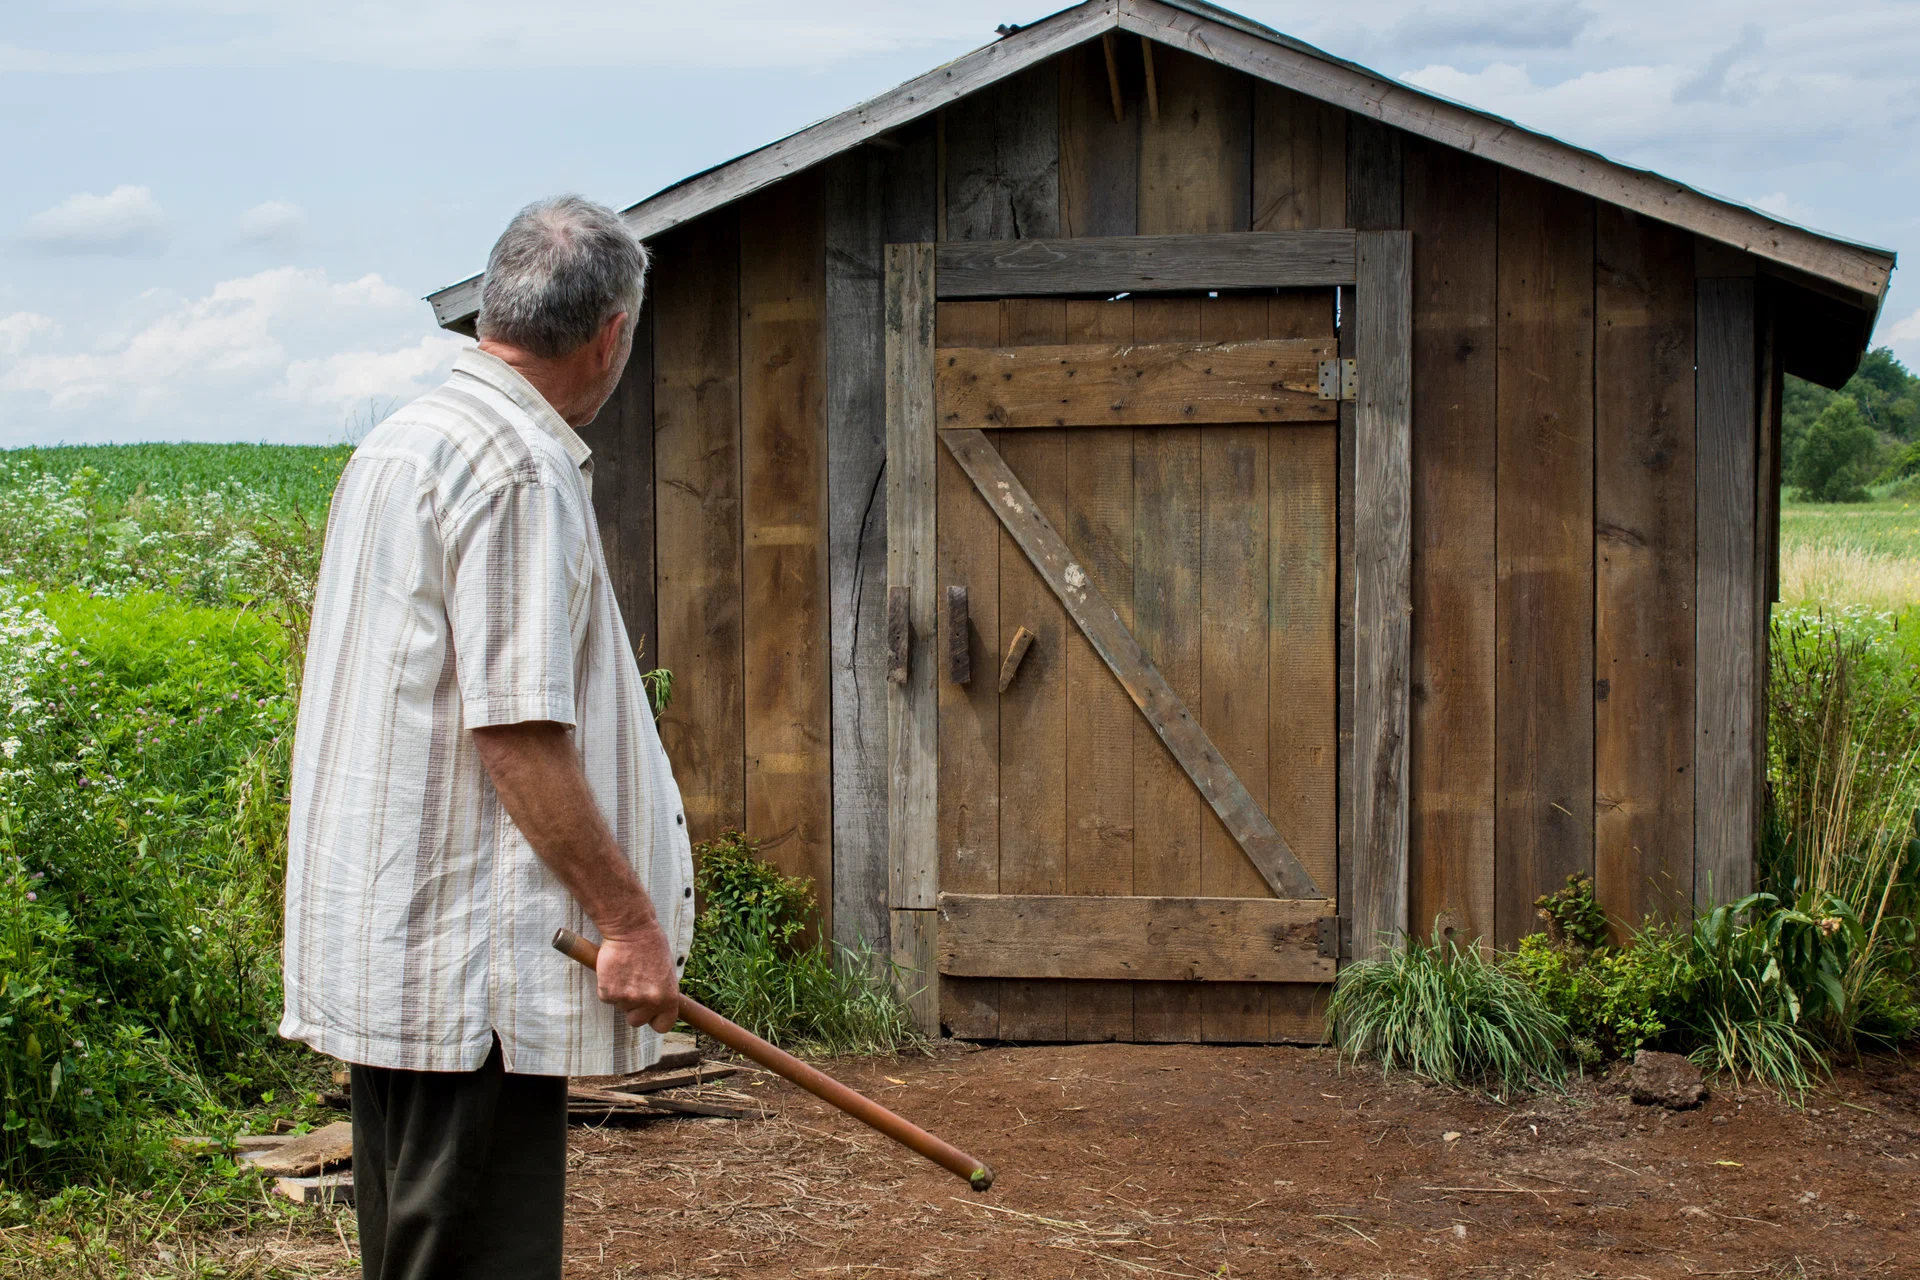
point(636, 976)
point(537, 773)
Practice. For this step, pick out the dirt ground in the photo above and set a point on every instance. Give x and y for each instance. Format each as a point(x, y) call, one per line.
point(1132, 1160)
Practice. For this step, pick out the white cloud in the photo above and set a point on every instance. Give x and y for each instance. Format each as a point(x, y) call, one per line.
point(1904, 338)
point(285, 354)
point(125, 221)
point(18, 329)
point(272, 222)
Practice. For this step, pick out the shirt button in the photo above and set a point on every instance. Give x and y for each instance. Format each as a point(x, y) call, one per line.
point(679, 819)
point(689, 891)
point(680, 961)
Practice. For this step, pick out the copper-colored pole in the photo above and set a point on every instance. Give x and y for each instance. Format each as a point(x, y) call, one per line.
point(822, 1086)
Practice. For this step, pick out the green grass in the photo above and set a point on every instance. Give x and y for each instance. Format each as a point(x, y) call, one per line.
point(288, 476)
point(1887, 527)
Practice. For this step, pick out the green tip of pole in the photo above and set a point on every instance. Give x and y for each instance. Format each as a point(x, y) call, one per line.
point(980, 1179)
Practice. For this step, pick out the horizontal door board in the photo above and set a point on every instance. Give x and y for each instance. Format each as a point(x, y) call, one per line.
point(1146, 384)
point(1145, 264)
point(1175, 724)
point(1004, 935)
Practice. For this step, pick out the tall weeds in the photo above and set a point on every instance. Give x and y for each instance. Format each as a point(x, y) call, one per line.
point(1844, 706)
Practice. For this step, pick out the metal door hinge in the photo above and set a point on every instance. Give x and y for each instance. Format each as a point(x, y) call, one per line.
point(1329, 937)
point(1339, 379)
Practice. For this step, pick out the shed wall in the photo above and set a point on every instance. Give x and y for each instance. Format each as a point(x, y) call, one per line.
point(1567, 523)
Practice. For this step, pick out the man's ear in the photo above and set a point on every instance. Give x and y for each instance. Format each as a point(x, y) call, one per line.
point(606, 347)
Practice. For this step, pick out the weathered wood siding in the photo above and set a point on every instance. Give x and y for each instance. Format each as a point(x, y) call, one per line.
point(1592, 521)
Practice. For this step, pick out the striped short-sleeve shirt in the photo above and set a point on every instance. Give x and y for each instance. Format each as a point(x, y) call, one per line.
point(463, 585)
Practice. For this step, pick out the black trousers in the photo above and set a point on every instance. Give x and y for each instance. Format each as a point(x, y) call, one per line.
point(459, 1175)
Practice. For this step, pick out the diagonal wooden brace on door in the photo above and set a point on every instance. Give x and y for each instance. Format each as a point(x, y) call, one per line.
point(1264, 846)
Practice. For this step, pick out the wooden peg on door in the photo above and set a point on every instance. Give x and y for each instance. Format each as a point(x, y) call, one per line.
point(1022, 641)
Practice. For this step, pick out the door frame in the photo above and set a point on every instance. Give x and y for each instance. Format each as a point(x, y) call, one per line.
point(1373, 270)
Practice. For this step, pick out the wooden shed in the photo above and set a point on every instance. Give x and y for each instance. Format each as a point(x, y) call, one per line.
point(1148, 509)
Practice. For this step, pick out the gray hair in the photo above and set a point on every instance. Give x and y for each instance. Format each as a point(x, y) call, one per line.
point(557, 273)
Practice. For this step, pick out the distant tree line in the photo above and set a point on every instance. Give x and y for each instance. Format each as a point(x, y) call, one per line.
point(1834, 444)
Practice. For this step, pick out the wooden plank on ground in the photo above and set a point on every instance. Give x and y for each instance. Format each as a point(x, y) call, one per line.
point(1235, 651)
point(784, 516)
point(1382, 588)
point(1726, 828)
point(1208, 940)
point(1299, 161)
point(1024, 517)
point(1196, 158)
point(857, 545)
point(1544, 691)
point(1161, 262)
point(912, 717)
point(1090, 384)
point(622, 441)
point(1099, 530)
point(696, 391)
point(969, 790)
point(308, 1154)
point(1643, 568)
point(1168, 812)
point(1002, 161)
point(1033, 710)
point(1451, 207)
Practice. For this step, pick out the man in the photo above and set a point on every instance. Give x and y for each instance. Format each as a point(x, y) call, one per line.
point(475, 766)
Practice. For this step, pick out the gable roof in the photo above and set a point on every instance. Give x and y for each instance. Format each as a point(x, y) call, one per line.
point(1843, 271)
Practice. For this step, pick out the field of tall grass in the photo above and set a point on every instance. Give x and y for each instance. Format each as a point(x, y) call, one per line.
point(1840, 554)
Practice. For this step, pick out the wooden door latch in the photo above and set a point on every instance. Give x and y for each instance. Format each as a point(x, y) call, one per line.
point(1016, 652)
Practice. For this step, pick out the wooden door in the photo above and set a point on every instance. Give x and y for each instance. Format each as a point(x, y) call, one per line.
point(1137, 728)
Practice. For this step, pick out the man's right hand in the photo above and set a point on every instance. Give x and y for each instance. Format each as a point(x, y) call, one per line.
point(636, 973)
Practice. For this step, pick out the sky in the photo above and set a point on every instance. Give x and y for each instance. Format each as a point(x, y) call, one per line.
point(218, 217)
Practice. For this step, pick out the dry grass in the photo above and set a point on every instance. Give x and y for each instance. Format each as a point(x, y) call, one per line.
point(1833, 575)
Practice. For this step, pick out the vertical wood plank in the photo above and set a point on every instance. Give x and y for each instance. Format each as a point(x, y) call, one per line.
point(1544, 547)
point(1168, 812)
point(1100, 715)
point(914, 940)
point(1099, 156)
point(1303, 574)
point(1033, 709)
point(1726, 827)
point(1299, 161)
point(1196, 159)
point(1643, 568)
point(1382, 622)
point(1001, 160)
point(857, 547)
point(1374, 203)
point(784, 516)
point(1766, 520)
point(1235, 648)
point(912, 709)
point(696, 369)
point(622, 441)
point(1452, 209)
point(969, 783)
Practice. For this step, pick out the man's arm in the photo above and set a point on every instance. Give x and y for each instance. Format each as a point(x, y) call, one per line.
point(538, 775)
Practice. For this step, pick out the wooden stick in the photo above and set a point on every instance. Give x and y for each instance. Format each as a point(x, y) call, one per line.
point(976, 1173)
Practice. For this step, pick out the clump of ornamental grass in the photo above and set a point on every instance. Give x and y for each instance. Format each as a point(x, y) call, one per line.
point(1448, 1013)
point(753, 961)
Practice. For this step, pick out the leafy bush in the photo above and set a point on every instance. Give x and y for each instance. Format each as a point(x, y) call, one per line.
point(1447, 1013)
point(752, 962)
point(1614, 1000)
point(1746, 1011)
point(1573, 916)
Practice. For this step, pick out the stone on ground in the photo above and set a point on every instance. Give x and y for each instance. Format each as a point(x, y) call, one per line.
point(1667, 1080)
